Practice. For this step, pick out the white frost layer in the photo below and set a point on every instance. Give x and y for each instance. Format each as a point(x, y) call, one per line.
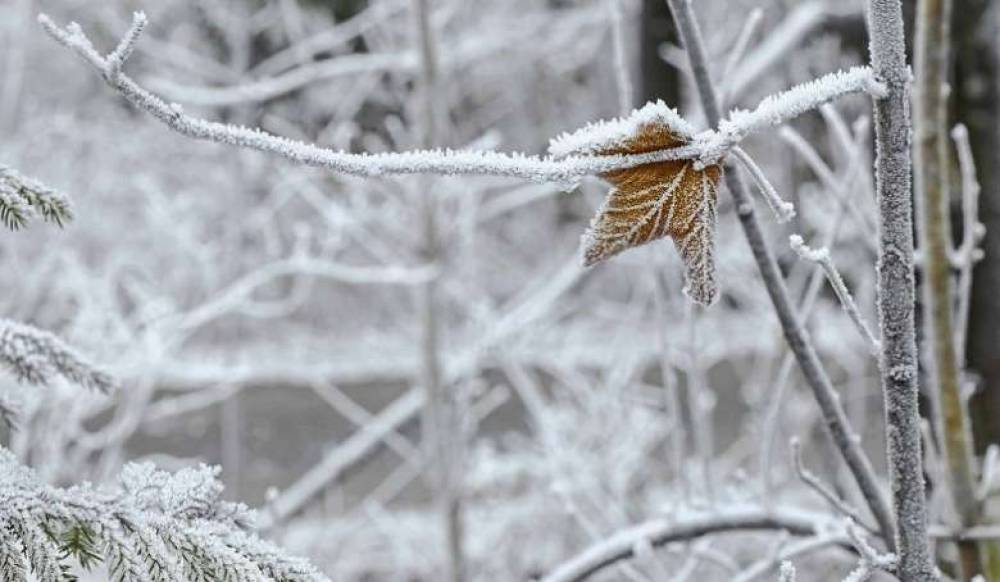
point(603, 135)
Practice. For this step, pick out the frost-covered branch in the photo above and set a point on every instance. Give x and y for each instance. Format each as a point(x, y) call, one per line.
point(818, 486)
point(22, 198)
point(623, 80)
point(783, 211)
point(37, 357)
point(445, 162)
point(968, 252)
point(709, 146)
point(871, 561)
point(235, 295)
point(622, 545)
point(786, 553)
point(153, 526)
point(739, 49)
point(838, 188)
point(786, 573)
point(853, 145)
point(821, 257)
point(776, 45)
point(344, 456)
point(896, 289)
point(777, 109)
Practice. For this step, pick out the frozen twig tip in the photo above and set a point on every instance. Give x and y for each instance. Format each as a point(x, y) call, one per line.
point(821, 257)
point(116, 59)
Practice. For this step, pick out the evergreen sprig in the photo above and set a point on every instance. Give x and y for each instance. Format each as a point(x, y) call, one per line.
point(152, 526)
point(37, 357)
point(23, 198)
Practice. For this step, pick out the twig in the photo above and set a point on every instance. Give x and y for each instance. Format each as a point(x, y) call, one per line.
point(623, 81)
point(658, 532)
point(833, 413)
point(973, 231)
point(821, 257)
point(830, 182)
point(783, 211)
point(871, 561)
point(806, 305)
point(329, 38)
point(808, 545)
point(593, 531)
point(564, 171)
point(817, 485)
point(777, 109)
point(341, 458)
point(698, 413)
point(709, 147)
point(777, 45)
point(987, 480)
point(787, 572)
point(739, 49)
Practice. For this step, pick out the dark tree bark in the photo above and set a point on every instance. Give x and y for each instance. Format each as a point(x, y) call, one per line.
point(976, 100)
point(658, 79)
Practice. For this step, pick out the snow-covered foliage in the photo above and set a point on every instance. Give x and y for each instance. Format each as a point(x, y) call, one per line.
point(151, 525)
point(22, 198)
point(36, 357)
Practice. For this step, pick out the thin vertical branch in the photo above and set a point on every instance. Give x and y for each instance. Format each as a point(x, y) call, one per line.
point(834, 417)
point(678, 430)
point(739, 50)
point(440, 423)
point(698, 410)
point(931, 157)
point(821, 256)
point(896, 289)
point(623, 80)
point(968, 252)
point(783, 211)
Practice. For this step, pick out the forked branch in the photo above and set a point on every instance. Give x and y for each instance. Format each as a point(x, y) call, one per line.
point(709, 147)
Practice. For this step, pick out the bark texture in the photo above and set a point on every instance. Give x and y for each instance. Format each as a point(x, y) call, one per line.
point(896, 290)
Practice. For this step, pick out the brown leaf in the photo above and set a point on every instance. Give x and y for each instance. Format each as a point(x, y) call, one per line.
point(662, 199)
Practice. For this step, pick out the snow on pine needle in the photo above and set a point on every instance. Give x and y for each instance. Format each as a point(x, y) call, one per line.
point(37, 357)
point(152, 525)
point(671, 198)
point(22, 198)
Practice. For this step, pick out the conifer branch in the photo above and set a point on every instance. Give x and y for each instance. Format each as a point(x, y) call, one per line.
point(153, 526)
point(22, 199)
point(37, 357)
